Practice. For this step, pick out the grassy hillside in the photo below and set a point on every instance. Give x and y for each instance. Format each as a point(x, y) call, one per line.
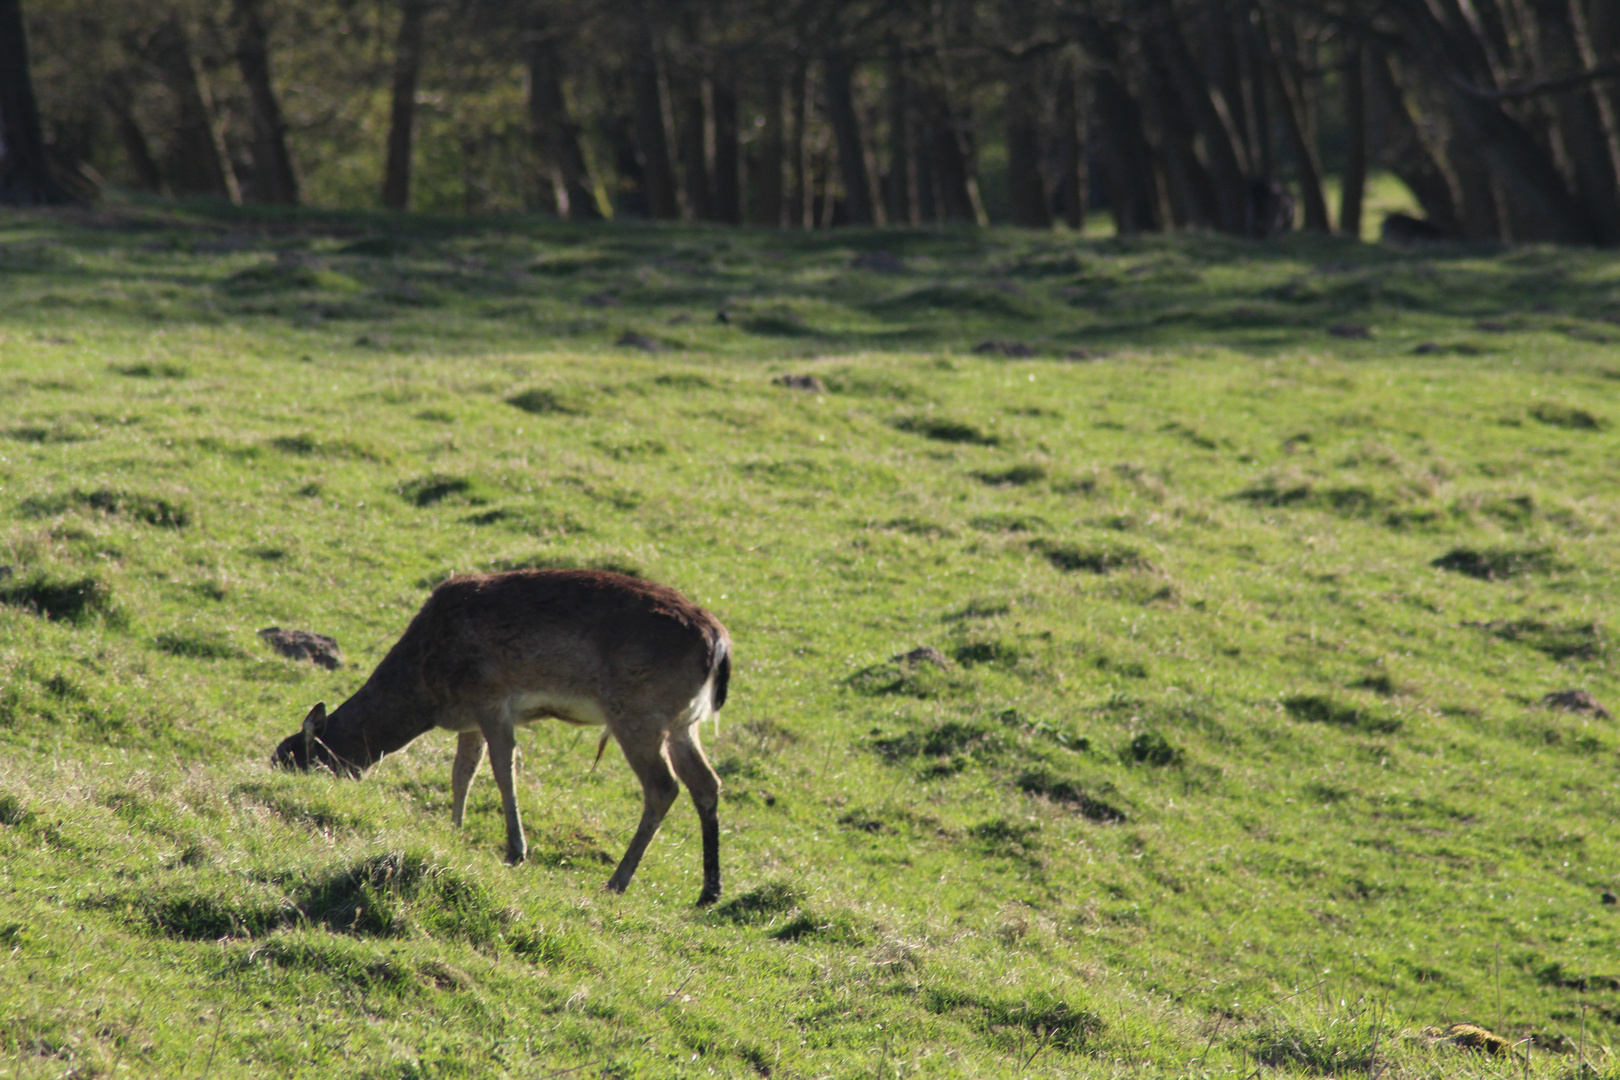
point(1250, 566)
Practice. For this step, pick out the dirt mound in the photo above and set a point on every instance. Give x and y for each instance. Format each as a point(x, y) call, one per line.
point(303, 645)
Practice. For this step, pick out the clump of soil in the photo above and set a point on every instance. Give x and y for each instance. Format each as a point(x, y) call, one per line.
point(303, 645)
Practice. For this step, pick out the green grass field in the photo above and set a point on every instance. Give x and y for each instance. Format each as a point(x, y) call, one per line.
point(1251, 564)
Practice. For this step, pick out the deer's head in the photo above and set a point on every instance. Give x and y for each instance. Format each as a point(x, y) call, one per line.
point(308, 749)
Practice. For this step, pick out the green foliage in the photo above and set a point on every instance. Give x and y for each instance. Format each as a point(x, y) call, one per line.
point(1215, 710)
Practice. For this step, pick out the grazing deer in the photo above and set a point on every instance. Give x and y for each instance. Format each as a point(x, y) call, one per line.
point(491, 651)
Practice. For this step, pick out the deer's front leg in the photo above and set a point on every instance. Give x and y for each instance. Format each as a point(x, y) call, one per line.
point(469, 752)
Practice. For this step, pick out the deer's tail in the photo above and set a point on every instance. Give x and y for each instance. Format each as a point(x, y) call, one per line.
point(719, 673)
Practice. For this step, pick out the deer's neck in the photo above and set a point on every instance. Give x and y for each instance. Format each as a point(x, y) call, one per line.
point(372, 723)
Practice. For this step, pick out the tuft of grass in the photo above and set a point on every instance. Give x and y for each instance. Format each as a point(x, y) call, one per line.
point(1017, 476)
point(944, 430)
point(436, 488)
point(1567, 416)
point(1072, 558)
point(1042, 1020)
point(1572, 640)
point(198, 645)
point(73, 600)
point(1152, 748)
point(148, 509)
point(152, 371)
point(1062, 790)
point(762, 904)
point(1321, 709)
point(13, 811)
point(309, 445)
point(1497, 564)
point(777, 325)
point(207, 916)
point(541, 403)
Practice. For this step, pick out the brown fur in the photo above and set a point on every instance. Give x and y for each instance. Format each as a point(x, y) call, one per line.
point(490, 652)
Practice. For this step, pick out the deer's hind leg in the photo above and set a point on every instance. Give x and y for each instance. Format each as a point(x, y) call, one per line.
point(658, 792)
point(686, 755)
point(469, 752)
point(502, 738)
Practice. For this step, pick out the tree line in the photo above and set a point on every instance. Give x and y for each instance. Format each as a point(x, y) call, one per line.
point(1239, 116)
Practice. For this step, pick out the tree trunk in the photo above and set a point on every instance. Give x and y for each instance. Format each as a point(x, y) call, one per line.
point(1589, 118)
point(1262, 144)
point(1174, 140)
point(196, 161)
point(847, 131)
point(1525, 171)
point(274, 180)
point(25, 176)
point(952, 167)
point(1224, 63)
point(1223, 147)
point(1405, 151)
point(692, 129)
point(1532, 194)
point(137, 148)
point(396, 192)
point(727, 176)
point(1355, 131)
point(925, 171)
point(1291, 103)
point(1071, 154)
point(801, 204)
point(902, 184)
point(555, 133)
point(1027, 202)
point(1603, 28)
point(658, 174)
point(629, 194)
point(765, 205)
point(1133, 191)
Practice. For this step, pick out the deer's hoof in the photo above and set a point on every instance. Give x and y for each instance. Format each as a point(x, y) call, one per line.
point(614, 885)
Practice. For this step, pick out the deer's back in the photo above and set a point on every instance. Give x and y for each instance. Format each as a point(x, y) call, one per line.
point(586, 633)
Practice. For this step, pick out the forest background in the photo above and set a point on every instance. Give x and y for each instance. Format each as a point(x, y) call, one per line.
point(1501, 116)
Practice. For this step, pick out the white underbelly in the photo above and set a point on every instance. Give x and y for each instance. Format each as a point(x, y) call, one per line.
point(528, 706)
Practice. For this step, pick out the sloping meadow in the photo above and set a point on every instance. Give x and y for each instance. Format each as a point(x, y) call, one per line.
point(1165, 656)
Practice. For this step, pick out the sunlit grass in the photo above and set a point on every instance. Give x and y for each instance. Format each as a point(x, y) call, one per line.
point(1236, 757)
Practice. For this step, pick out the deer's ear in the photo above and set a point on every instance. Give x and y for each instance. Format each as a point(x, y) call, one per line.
point(315, 722)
